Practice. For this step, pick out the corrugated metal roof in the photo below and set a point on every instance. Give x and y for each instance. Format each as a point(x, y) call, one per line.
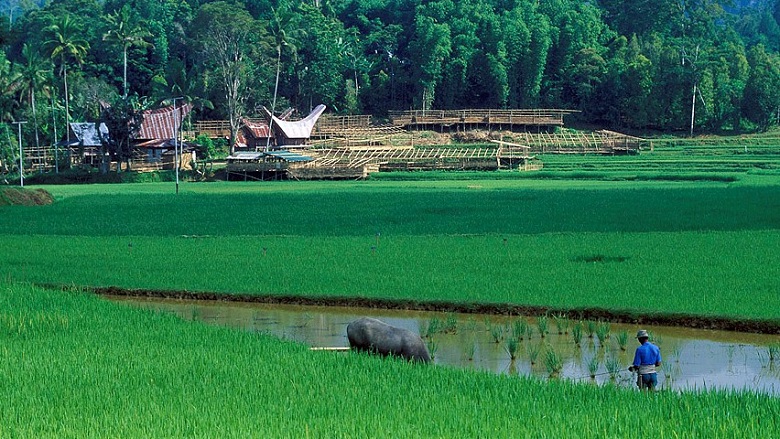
point(162, 144)
point(160, 123)
point(299, 129)
point(244, 155)
point(258, 129)
point(289, 156)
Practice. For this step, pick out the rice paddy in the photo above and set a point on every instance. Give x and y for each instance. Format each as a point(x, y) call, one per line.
point(75, 365)
point(112, 371)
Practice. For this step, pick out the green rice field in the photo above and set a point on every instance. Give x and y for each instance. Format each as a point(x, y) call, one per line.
point(74, 365)
point(705, 248)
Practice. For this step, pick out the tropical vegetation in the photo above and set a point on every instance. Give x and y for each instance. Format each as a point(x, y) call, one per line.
point(690, 66)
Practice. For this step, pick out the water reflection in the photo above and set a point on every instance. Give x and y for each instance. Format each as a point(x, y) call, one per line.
point(693, 359)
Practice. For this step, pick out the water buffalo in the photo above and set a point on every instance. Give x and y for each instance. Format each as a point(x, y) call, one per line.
point(372, 335)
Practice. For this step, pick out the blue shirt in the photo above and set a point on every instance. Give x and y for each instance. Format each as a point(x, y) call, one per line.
point(647, 354)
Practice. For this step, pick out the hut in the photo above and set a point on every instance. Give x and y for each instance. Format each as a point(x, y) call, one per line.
point(254, 135)
point(158, 135)
point(84, 145)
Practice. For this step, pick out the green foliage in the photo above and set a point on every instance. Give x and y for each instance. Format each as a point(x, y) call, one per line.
point(511, 346)
point(622, 340)
point(590, 328)
point(593, 366)
point(497, 332)
point(602, 333)
point(552, 361)
point(123, 118)
point(533, 350)
point(761, 97)
point(624, 64)
point(541, 324)
point(613, 366)
point(562, 323)
point(206, 147)
point(180, 379)
point(576, 332)
point(519, 328)
point(471, 347)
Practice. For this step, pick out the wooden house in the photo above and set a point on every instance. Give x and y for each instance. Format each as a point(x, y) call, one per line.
point(84, 145)
point(159, 133)
point(254, 135)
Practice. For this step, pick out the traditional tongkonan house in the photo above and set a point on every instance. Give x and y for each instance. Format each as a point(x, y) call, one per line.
point(294, 134)
point(277, 159)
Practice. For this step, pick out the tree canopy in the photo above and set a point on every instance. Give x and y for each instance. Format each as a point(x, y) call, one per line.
point(670, 65)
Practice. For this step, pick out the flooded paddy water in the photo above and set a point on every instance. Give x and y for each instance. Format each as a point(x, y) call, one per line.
point(693, 359)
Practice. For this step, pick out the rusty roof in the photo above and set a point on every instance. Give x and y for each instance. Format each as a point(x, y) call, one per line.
point(258, 129)
point(160, 123)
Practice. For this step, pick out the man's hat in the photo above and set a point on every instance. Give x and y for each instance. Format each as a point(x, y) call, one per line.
point(642, 334)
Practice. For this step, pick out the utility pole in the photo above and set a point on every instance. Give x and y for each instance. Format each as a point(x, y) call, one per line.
point(21, 157)
point(176, 140)
point(696, 90)
point(55, 141)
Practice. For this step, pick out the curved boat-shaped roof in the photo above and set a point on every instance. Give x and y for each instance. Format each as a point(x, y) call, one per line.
point(298, 129)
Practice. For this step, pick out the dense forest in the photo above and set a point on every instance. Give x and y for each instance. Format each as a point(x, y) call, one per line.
point(664, 65)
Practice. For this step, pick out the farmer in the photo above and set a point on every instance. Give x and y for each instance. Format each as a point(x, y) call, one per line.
point(646, 359)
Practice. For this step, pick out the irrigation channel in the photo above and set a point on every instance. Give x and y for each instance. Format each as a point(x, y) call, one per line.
point(694, 359)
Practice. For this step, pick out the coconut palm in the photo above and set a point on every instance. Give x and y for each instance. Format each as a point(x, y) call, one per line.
point(126, 33)
point(33, 75)
point(178, 82)
point(66, 45)
point(284, 33)
point(8, 83)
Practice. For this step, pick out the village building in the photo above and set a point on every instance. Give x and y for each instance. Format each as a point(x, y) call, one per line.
point(294, 134)
point(254, 135)
point(84, 145)
point(155, 145)
point(158, 138)
point(270, 150)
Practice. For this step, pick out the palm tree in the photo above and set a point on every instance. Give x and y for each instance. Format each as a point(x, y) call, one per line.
point(8, 84)
point(33, 75)
point(284, 38)
point(126, 33)
point(285, 35)
point(178, 82)
point(8, 76)
point(66, 45)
